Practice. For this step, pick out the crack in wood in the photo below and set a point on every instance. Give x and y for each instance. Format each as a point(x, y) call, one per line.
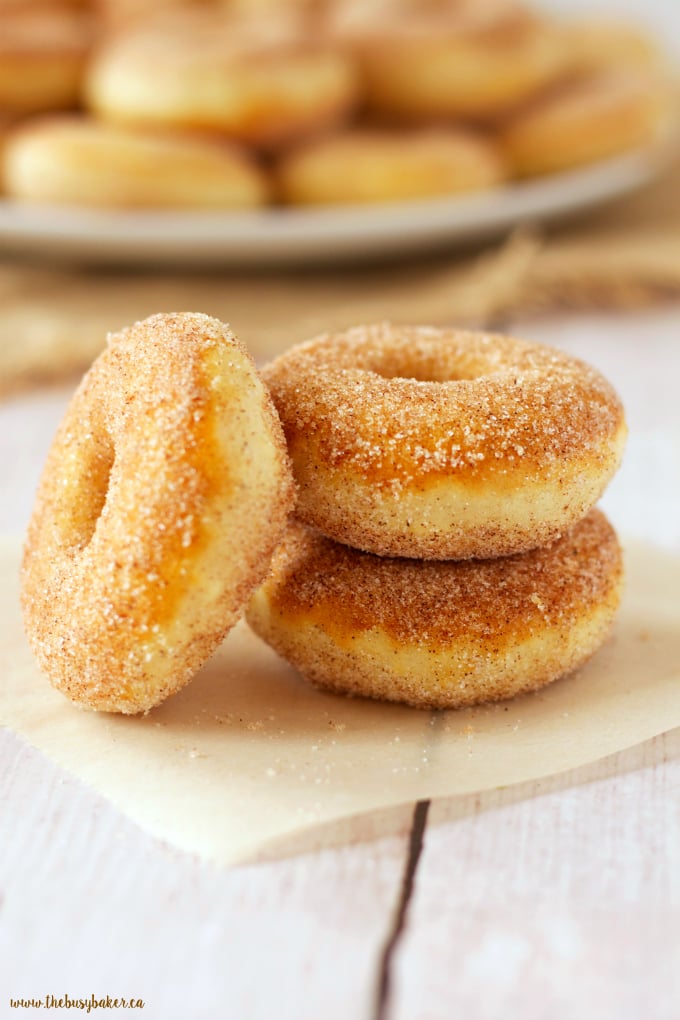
point(418, 824)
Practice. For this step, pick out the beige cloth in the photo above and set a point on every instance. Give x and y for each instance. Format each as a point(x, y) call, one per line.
point(53, 322)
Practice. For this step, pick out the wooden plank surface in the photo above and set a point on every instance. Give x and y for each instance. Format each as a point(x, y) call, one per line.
point(556, 899)
point(94, 905)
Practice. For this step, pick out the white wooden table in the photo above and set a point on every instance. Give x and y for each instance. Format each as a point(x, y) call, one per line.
point(558, 899)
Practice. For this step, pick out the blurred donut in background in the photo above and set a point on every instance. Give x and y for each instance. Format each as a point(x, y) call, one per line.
point(43, 50)
point(453, 68)
point(7, 123)
point(598, 43)
point(362, 165)
point(33, 5)
point(73, 160)
point(263, 82)
point(314, 101)
point(585, 120)
point(357, 20)
point(122, 15)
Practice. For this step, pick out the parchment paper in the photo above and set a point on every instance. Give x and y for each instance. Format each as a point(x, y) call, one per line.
point(248, 753)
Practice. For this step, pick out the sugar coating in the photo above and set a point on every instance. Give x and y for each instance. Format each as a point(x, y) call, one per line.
point(164, 494)
point(437, 443)
point(439, 634)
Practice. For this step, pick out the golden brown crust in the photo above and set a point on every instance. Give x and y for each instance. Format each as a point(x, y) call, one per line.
point(439, 634)
point(380, 166)
point(444, 444)
point(164, 494)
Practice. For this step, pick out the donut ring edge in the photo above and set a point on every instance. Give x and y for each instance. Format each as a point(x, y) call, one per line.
point(124, 614)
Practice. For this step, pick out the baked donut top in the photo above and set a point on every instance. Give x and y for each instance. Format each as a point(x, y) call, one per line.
point(390, 21)
point(597, 94)
point(406, 402)
point(403, 598)
point(190, 38)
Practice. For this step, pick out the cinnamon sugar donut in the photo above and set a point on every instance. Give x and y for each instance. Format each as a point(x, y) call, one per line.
point(379, 166)
point(42, 58)
point(443, 444)
point(263, 83)
point(590, 118)
point(447, 71)
point(439, 634)
point(164, 494)
point(85, 162)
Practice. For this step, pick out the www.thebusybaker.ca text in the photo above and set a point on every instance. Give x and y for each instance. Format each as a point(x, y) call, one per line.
point(66, 1002)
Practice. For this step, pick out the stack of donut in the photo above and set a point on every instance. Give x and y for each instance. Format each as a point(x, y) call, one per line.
point(445, 550)
point(243, 103)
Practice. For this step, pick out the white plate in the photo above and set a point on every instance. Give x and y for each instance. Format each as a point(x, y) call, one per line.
point(276, 236)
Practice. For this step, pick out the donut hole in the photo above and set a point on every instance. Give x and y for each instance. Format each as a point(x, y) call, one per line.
point(427, 377)
point(427, 371)
point(427, 363)
point(99, 480)
point(85, 491)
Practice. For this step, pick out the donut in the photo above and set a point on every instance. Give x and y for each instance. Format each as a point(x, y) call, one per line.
point(379, 166)
point(42, 58)
point(164, 494)
point(8, 123)
point(597, 43)
point(41, 5)
point(442, 444)
point(439, 634)
point(357, 20)
point(84, 162)
point(261, 83)
point(478, 73)
point(590, 118)
point(117, 15)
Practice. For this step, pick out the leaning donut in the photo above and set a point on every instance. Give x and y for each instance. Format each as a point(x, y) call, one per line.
point(164, 494)
point(442, 444)
point(439, 634)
